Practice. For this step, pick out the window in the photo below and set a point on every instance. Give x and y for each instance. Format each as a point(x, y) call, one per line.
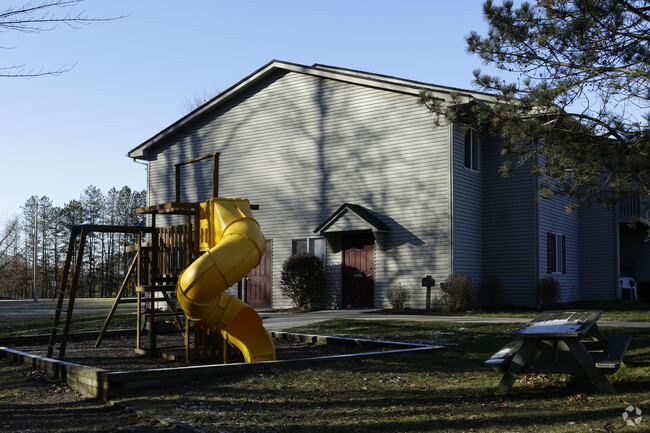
point(316, 246)
point(471, 149)
point(556, 253)
point(298, 246)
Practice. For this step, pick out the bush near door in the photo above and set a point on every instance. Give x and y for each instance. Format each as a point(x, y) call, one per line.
point(302, 279)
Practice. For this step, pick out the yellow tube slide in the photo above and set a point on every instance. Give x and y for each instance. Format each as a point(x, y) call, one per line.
point(233, 245)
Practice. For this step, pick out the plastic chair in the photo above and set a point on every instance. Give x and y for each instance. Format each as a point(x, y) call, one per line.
point(627, 283)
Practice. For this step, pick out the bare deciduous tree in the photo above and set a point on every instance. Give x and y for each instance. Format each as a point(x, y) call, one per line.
point(10, 236)
point(191, 104)
point(39, 17)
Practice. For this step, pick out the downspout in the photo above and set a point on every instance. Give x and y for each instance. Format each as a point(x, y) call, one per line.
point(451, 199)
point(146, 167)
point(617, 236)
point(147, 198)
point(536, 244)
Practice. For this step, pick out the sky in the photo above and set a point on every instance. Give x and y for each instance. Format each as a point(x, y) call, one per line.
point(130, 77)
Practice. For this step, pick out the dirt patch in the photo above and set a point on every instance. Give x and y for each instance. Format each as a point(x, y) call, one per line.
point(31, 402)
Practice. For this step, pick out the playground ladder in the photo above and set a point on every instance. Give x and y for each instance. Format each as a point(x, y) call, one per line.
point(156, 292)
point(66, 295)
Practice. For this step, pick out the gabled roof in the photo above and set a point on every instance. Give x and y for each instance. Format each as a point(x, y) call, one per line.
point(351, 217)
point(323, 71)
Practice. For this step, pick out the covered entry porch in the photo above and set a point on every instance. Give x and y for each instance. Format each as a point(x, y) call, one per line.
point(355, 233)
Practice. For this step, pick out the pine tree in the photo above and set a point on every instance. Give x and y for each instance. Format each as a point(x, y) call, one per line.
point(578, 113)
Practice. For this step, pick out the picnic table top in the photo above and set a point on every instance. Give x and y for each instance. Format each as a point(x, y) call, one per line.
point(560, 324)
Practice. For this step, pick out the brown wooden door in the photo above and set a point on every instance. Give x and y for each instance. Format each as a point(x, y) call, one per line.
point(258, 281)
point(358, 285)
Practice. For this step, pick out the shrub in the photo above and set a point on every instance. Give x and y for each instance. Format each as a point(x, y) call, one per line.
point(302, 279)
point(398, 296)
point(456, 292)
point(548, 292)
point(490, 293)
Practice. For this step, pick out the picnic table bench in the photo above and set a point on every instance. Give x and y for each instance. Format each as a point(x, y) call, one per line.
point(567, 342)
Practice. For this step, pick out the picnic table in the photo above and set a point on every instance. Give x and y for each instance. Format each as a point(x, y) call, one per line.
point(556, 342)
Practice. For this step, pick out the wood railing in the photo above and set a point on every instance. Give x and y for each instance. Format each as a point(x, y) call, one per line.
point(174, 249)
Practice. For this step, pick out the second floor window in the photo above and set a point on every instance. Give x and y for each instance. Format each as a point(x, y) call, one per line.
point(471, 149)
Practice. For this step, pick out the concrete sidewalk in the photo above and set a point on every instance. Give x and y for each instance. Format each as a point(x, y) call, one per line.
point(273, 321)
point(282, 321)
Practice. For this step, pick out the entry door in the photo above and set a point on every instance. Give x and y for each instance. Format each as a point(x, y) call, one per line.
point(358, 285)
point(258, 287)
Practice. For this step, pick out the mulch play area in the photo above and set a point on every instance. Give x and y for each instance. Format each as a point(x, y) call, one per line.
point(117, 353)
point(115, 367)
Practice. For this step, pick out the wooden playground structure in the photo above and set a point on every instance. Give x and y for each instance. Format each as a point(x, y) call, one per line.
point(161, 255)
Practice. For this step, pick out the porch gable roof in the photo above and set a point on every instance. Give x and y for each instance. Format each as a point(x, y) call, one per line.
point(351, 217)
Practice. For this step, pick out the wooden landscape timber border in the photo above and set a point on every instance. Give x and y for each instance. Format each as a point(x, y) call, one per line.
point(103, 384)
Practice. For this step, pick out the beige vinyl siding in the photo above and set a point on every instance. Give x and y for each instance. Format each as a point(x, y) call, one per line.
point(334, 275)
point(598, 252)
point(468, 211)
point(553, 218)
point(509, 227)
point(300, 146)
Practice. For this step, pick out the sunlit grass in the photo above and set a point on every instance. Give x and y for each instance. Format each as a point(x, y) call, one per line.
point(612, 311)
point(448, 390)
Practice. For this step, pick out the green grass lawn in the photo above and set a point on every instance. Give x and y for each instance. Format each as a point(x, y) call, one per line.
point(612, 310)
point(445, 391)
